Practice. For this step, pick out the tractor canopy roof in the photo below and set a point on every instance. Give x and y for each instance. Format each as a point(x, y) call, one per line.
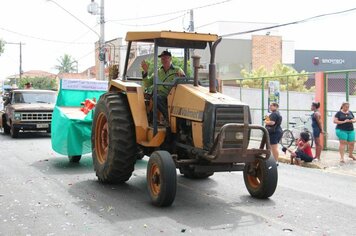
point(173, 39)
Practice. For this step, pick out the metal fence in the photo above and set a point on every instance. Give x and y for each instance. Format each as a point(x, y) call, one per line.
point(297, 92)
point(340, 86)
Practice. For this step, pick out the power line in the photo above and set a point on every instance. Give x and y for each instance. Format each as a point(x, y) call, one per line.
point(85, 55)
point(290, 23)
point(75, 17)
point(151, 24)
point(174, 12)
point(42, 39)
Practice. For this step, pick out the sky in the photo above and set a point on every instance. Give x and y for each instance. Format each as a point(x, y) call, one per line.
point(48, 32)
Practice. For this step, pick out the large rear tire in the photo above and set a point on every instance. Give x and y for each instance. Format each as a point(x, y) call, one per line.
point(113, 139)
point(261, 178)
point(161, 178)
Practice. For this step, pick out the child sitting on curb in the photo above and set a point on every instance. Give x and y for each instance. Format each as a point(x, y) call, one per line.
point(303, 152)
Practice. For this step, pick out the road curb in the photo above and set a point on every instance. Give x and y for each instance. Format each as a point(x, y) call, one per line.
point(286, 159)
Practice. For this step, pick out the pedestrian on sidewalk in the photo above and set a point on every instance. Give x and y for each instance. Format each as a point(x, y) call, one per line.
point(317, 128)
point(273, 125)
point(344, 120)
point(303, 152)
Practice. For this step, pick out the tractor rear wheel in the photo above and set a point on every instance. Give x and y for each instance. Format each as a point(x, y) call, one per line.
point(113, 139)
point(161, 178)
point(261, 178)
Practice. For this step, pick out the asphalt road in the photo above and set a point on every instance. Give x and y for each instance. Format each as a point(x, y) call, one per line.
point(41, 193)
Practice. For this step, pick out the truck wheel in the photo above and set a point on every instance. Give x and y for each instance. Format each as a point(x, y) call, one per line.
point(190, 174)
point(261, 178)
point(14, 132)
point(113, 139)
point(161, 178)
point(6, 127)
point(74, 159)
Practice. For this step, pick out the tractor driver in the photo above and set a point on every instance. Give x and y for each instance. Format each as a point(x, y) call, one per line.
point(166, 73)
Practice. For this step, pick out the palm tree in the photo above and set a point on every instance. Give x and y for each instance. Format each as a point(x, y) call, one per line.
point(67, 64)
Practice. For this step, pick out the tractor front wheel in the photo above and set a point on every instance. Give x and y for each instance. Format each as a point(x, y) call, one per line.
point(161, 178)
point(261, 177)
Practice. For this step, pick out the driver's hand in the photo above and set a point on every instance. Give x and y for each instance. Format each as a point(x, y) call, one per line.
point(144, 66)
point(180, 73)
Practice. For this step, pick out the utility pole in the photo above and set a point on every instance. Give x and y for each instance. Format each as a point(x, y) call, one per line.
point(191, 29)
point(20, 66)
point(191, 21)
point(102, 41)
point(95, 9)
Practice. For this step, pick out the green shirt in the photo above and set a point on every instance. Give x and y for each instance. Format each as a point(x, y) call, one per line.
point(162, 77)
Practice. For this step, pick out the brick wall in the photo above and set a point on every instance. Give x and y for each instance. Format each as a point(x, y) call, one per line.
point(266, 51)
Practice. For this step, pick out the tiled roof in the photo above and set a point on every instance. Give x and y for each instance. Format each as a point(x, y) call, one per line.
point(35, 73)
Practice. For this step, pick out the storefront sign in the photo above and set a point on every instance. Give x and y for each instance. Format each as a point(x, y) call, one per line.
point(332, 61)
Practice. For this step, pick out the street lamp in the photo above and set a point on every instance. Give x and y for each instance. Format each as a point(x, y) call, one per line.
point(94, 9)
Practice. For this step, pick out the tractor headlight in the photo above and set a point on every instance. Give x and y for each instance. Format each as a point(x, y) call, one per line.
point(239, 135)
point(17, 116)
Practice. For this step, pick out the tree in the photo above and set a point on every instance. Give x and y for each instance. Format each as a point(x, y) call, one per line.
point(2, 46)
point(286, 75)
point(39, 83)
point(67, 64)
point(113, 72)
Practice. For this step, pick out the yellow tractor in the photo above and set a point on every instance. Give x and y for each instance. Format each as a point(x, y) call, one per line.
point(205, 131)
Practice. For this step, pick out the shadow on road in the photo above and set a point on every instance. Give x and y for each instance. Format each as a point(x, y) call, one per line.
point(29, 135)
point(60, 165)
point(197, 204)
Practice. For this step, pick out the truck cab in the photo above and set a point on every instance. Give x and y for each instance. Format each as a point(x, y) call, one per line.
point(27, 109)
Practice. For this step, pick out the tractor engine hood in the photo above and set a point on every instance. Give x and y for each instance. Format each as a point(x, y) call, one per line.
point(211, 110)
point(193, 101)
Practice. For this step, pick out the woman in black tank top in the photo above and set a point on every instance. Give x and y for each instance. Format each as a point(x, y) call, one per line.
point(317, 128)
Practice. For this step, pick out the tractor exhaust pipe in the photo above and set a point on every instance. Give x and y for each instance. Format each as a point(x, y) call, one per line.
point(197, 66)
point(212, 67)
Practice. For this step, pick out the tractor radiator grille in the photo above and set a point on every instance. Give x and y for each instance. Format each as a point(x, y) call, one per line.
point(225, 115)
point(36, 116)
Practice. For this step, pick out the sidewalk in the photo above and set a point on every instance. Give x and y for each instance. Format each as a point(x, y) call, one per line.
point(328, 159)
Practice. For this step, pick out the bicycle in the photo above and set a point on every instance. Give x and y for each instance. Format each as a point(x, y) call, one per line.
point(289, 136)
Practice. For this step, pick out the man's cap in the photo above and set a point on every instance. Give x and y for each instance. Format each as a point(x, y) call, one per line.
point(165, 53)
